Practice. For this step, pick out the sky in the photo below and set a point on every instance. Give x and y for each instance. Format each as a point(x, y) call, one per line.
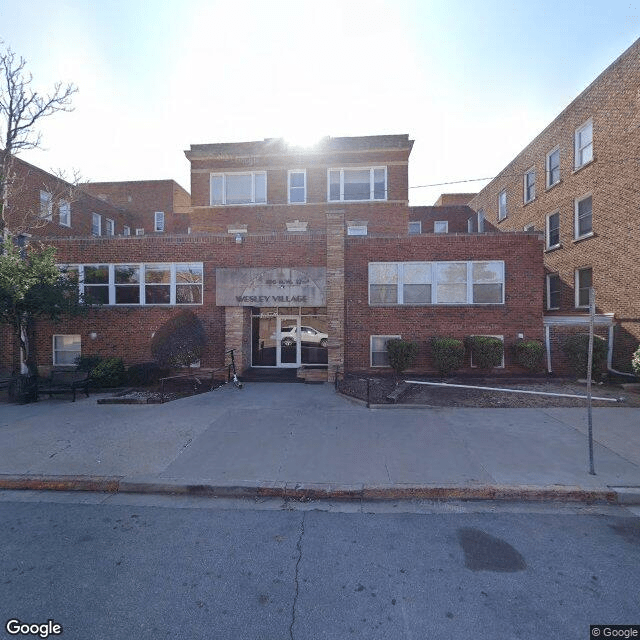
point(471, 82)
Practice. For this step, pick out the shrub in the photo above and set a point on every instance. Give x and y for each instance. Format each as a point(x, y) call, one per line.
point(109, 372)
point(180, 341)
point(635, 362)
point(88, 363)
point(486, 352)
point(448, 354)
point(145, 374)
point(402, 354)
point(576, 348)
point(529, 354)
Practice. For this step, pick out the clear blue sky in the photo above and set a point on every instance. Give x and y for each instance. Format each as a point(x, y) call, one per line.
point(472, 82)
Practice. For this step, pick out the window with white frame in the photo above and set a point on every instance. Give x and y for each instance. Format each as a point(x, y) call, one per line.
point(553, 167)
point(529, 185)
point(140, 232)
point(126, 230)
point(158, 221)
point(66, 350)
point(109, 227)
point(357, 184)
point(583, 217)
point(357, 229)
point(480, 220)
point(529, 227)
point(583, 144)
point(583, 283)
point(46, 205)
point(239, 188)
point(140, 283)
point(473, 282)
point(415, 227)
point(96, 224)
point(441, 226)
point(502, 205)
point(297, 187)
point(501, 338)
point(553, 230)
point(64, 211)
point(553, 291)
point(379, 355)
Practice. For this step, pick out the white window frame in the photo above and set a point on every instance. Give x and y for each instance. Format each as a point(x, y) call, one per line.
point(419, 227)
point(158, 221)
point(56, 351)
point(476, 335)
point(357, 229)
point(576, 225)
point(529, 227)
point(502, 205)
point(577, 287)
point(224, 177)
point(109, 227)
point(126, 230)
point(140, 231)
point(96, 224)
point(387, 338)
point(46, 206)
point(444, 226)
point(548, 290)
point(529, 189)
point(304, 186)
point(547, 166)
point(579, 150)
point(371, 170)
point(64, 213)
point(548, 231)
point(481, 219)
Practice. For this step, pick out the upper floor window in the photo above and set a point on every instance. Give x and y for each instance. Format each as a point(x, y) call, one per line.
point(46, 206)
point(480, 220)
point(584, 218)
point(64, 209)
point(584, 144)
point(110, 227)
point(96, 224)
point(553, 230)
point(441, 226)
point(357, 184)
point(239, 188)
point(553, 291)
point(583, 284)
point(502, 205)
point(530, 185)
point(158, 221)
point(415, 227)
point(553, 167)
point(297, 187)
point(126, 230)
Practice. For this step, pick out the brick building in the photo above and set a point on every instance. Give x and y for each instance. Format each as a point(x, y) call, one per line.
point(577, 183)
point(301, 258)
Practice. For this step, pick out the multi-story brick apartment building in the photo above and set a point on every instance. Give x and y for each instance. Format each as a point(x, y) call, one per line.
point(303, 257)
point(577, 182)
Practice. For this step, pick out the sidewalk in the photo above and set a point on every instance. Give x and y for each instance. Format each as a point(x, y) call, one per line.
point(306, 441)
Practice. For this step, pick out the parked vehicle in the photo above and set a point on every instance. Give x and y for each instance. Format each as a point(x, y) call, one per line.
point(308, 335)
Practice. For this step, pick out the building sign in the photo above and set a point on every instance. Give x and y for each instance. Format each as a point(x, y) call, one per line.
point(271, 287)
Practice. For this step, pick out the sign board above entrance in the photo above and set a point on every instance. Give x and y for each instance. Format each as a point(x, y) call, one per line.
point(271, 287)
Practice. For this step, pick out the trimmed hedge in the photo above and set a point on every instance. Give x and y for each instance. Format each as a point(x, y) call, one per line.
point(402, 354)
point(104, 372)
point(576, 348)
point(447, 354)
point(635, 362)
point(529, 354)
point(180, 341)
point(486, 352)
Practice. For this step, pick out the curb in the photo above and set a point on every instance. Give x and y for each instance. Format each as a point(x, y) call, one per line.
point(307, 492)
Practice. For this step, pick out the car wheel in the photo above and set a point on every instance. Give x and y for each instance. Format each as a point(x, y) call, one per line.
point(287, 342)
point(323, 342)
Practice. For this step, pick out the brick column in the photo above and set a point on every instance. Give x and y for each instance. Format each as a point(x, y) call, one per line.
point(335, 290)
point(237, 335)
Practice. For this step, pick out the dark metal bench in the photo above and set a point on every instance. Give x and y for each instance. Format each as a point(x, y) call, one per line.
point(65, 382)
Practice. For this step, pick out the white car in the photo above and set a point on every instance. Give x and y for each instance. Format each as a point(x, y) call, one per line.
point(308, 335)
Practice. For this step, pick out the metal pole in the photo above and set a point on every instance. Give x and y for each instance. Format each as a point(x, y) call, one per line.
point(368, 393)
point(592, 311)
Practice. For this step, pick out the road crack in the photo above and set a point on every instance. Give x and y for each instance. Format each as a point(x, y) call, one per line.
point(295, 577)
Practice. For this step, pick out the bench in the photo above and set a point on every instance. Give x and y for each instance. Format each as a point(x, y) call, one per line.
point(65, 382)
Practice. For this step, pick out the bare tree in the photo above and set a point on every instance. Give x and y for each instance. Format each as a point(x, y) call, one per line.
point(21, 109)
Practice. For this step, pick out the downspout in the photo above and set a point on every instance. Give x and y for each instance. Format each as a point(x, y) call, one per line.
point(547, 341)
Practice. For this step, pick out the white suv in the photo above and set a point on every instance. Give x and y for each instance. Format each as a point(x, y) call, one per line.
point(308, 335)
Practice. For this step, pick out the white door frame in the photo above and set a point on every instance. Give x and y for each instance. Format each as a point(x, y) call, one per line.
point(287, 321)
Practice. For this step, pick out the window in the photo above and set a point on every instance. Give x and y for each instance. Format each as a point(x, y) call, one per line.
point(480, 220)
point(553, 230)
point(441, 226)
point(584, 144)
point(415, 227)
point(553, 291)
point(127, 283)
point(470, 225)
point(501, 365)
point(354, 229)
point(189, 283)
point(46, 206)
point(529, 227)
point(139, 232)
point(64, 210)
point(474, 282)
point(584, 218)
point(357, 184)
point(158, 221)
point(238, 188)
point(502, 205)
point(96, 224)
point(157, 284)
point(553, 167)
point(96, 283)
point(379, 355)
point(584, 282)
point(126, 230)
point(297, 187)
point(66, 350)
point(110, 227)
point(530, 185)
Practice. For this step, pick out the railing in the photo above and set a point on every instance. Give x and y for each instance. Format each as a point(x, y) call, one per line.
point(353, 385)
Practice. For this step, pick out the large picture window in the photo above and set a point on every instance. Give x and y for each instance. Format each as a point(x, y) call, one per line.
point(411, 283)
point(238, 188)
point(66, 350)
point(357, 184)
